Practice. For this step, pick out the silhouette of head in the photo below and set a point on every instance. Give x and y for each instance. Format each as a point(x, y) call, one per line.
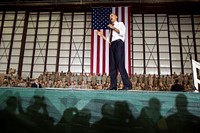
point(85, 114)
point(11, 103)
point(69, 114)
point(107, 110)
point(122, 110)
point(38, 102)
point(181, 102)
point(154, 104)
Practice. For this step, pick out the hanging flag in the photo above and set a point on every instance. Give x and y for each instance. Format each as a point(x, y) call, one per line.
point(99, 47)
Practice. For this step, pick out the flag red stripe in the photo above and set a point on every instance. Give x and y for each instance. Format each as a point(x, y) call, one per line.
point(123, 15)
point(92, 52)
point(98, 54)
point(104, 54)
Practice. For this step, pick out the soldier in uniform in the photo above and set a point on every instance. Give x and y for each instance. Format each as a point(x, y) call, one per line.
point(89, 79)
point(89, 86)
point(40, 77)
point(191, 79)
point(155, 81)
point(143, 86)
point(99, 78)
point(150, 80)
point(50, 83)
point(85, 79)
point(55, 84)
point(21, 83)
point(104, 77)
point(1, 79)
point(140, 79)
point(108, 79)
point(48, 76)
point(44, 77)
point(80, 79)
point(138, 86)
point(56, 76)
point(61, 73)
point(72, 80)
point(75, 80)
point(144, 80)
point(149, 87)
point(181, 78)
point(99, 87)
point(52, 76)
point(160, 83)
point(94, 80)
point(167, 79)
point(63, 77)
point(134, 79)
point(120, 86)
point(119, 80)
point(67, 77)
point(186, 79)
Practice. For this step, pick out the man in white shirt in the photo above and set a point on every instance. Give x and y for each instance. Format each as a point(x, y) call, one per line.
point(116, 53)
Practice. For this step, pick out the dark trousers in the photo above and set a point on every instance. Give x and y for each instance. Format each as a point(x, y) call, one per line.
point(117, 61)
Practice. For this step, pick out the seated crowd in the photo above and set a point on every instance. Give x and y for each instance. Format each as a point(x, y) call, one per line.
point(98, 82)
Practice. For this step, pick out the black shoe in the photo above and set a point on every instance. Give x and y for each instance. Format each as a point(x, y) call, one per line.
point(127, 88)
point(112, 88)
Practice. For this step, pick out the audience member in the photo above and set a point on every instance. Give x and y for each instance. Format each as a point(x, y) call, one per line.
point(184, 82)
point(36, 84)
point(177, 86)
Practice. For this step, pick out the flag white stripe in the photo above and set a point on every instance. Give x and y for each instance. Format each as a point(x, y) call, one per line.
point(126, 41)
point(101, 54)
point(95, 52)
point(107, 54)
point(120, 14)
point(113, 9)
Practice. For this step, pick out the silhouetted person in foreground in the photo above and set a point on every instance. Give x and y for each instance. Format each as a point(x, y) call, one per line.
point(116, 118)
point(177, 86)
point(74, 121)
point(182, 121)
point(11, 117)
point(65, 123)
point(150, 119)
point(124, 120)
point(8, 116)
point(80, 122)
point(105, 124)
point(38, 115)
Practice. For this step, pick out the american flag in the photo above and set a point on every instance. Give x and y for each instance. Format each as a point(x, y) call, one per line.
point(99, 47)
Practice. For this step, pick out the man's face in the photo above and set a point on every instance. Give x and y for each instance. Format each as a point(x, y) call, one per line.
point(113, 17)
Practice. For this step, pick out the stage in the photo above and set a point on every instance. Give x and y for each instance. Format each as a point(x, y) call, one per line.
point(62, 106)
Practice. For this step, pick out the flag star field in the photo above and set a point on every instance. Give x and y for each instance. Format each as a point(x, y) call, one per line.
point(100, 18)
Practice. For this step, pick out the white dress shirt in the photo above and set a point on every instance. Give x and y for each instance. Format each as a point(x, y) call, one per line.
point(122, 31)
